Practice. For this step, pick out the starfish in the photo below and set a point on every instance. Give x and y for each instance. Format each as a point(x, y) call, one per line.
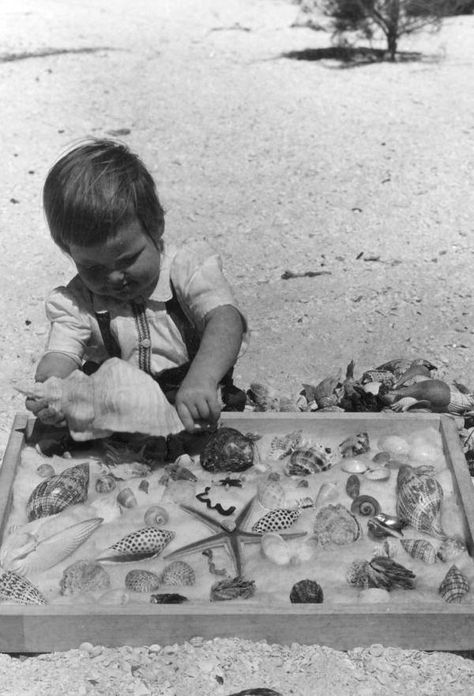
point(229, 534)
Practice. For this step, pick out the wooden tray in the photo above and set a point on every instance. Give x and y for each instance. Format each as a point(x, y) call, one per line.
point(428, 627)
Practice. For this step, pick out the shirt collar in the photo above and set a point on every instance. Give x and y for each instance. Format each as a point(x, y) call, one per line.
point(163, 291)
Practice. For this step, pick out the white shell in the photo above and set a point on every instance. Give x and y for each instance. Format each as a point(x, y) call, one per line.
point(394, 445)
point(353, 466)
point(275, 548)
point(379, 473)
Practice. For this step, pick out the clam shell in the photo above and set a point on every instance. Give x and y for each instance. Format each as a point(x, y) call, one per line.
point(306, 591)
point(378, 473)
point(138, 580)
point(156, 516)
point(58, 492)
point(354, 466)
point(420, 549)
point(276, 520)
point(178, 573)
point(275, 548)
point(395, 445)
point(126, 498)
point(17, 589)
point(454, 586)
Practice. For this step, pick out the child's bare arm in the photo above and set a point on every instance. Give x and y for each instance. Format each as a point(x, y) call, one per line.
point(197, 398)
point(51, 365)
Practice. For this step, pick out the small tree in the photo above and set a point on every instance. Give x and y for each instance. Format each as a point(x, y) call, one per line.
point(395, 18)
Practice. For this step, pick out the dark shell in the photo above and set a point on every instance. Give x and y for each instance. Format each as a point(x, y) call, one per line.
point(454, 586)
point(232, 588)
point(381, 572)
point(353, 486)
point(228, 450)
point(168, 598)
point(306, 591)
point(84, 576)
point(59, 492)
point(138, 580)
point(307, 460)
point(354, 445)
point(366, 506)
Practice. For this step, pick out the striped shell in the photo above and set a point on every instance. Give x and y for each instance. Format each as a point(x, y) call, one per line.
point(420, 549)
point(281, 447)
point(15, 588)
point(419, 501)
point(147, 542)
point(275, 520)
point(178, 573)
point(307, 460)
point(334, 524)
point(138, 580)
point(56, 493)
point(454, 586)
point(306, 591)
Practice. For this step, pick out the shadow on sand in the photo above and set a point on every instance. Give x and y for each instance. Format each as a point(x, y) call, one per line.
point(10, 57)
point(353, 57)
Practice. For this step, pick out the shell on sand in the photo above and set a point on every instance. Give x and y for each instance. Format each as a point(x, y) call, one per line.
point(17, 589)
point(454, 586)
point(116, 398)
point(419, 499)
point(147, 542)
point(56, 493)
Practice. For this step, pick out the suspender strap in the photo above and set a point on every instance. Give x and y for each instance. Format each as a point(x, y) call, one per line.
point(110, 342)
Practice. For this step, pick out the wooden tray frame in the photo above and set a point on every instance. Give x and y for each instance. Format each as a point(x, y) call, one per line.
point(26, 629)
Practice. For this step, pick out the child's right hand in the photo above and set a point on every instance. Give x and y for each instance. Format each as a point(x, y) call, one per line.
point(45, 413)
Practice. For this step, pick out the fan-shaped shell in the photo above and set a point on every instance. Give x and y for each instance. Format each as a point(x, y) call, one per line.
point(147, 542)
point(420, 549)
point(138, 580)
point(58, 492)
point(178, 573)
point(419, 501)
point(306, 591)
point(334, 524)
point(275, 548)
point(228, 450)
point(276, 520)
point(454, 586)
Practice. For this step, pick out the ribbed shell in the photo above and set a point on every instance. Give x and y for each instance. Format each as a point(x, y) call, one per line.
point(420, 549)
point(228, 450)
point(178, 573)
point(419, 501)
point(282, 446)
point(142, 581)
point(454, 586)
point(307, 460)
point(143, 543)
point(276, 520)
point(306, 591)
point(15, 588)
point(59, 492)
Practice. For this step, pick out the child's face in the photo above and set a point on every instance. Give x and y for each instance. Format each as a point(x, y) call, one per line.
point(125, 267)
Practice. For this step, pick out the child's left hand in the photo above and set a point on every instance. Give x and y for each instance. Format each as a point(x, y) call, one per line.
point(198, 401)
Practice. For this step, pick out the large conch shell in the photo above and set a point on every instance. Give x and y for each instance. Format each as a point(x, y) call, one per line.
point(116, 398)
point(419, 499)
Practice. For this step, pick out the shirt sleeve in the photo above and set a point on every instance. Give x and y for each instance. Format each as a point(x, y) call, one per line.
point(197, 275)
point(70, 326)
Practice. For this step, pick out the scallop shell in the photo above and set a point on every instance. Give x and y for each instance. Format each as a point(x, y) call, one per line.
point(178, 573)
point(227, 449)
point(420, 549)
point(117, 398)
point(307, 460)
point(17, 589)
point(105, 483)
point(139, 580)
point(126, 498)
point(147, 542)
point(156, 516)
point(276, 520)
point(419, 500)
point(58, 492)
point(366, 505)
point(354, 445)
point(334, 524)
point(275, 548)
point(354, 466)
point(450, 549)
point(454, 586)
point(306, 591)
point(84, 576)
point(353, 486)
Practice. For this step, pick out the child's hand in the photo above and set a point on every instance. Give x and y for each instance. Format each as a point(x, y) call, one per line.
point(46, 414)
point(197, 400)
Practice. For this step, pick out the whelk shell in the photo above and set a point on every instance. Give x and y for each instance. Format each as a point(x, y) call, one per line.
point(419, 500)
point(454, 586)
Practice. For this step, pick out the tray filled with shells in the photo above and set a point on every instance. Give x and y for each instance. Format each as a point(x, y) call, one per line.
point(342, 529)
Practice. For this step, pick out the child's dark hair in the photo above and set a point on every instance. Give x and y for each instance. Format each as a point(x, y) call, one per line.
point(94, 189)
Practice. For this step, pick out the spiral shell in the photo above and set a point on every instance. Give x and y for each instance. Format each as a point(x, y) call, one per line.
point(275, 548)
point(353, 486)
point(178, 573)
point(306, 591)
point(156, 516)
point(366, 506)
point(454, 586)
point(58, 492)
point(126, 498)
point(420, 549)
point(138, 580)
point(105, 484)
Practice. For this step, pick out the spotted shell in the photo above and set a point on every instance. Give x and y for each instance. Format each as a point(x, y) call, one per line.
point(354, 445)
point(454, 586)
point(276, 520)
point(365, 505)
point(450, 549)
point(232, 588)
point(419, 500)
point(58, 492)
point(178, 573)
point(228, 450)
point(147, 542)
point(420, 549)
point(305, 461)
point(306, 591)
point(17, 589)
point(138, 580)
point(156, 516)
point(126, 498)
point(105, 484)
point(275, 548)
point(353, 486)
point(334, 524)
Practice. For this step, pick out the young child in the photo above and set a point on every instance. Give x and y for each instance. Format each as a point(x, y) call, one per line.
point(167, 310)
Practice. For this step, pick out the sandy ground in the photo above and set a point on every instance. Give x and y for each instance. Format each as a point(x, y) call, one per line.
point(283, 164)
